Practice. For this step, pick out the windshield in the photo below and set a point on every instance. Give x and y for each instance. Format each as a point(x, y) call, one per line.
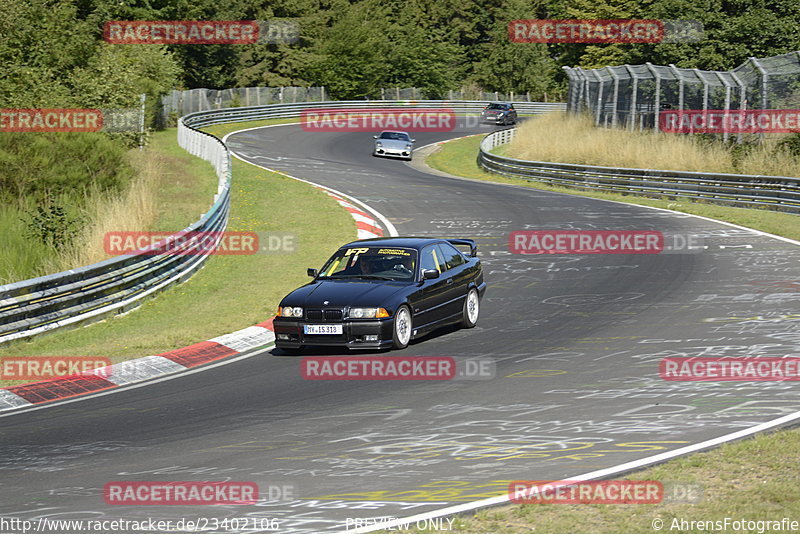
point(372, 263)
point(397, 136)
point(497, 106)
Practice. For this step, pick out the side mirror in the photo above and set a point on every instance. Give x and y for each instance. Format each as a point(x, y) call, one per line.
point(413, 140)
point(374, 136)
point(430, 274)
point(312, 273)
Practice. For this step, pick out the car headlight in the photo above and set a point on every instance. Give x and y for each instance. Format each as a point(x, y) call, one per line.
point(378, 144)
point(368, 313)
point(289, 311)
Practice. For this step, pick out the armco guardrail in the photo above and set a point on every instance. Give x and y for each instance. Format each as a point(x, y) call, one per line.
point(774, 192)
point(287, 111)
point(119, 284)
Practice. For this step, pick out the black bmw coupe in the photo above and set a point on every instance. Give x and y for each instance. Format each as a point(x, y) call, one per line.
point(381, 293)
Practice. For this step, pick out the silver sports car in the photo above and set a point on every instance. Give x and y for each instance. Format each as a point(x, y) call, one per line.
point(393, 144)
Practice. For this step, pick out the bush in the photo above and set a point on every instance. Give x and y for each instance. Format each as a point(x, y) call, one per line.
point(41, 166)
point(51, 225)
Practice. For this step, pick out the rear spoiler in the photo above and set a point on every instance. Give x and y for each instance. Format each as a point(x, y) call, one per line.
point(473, 248)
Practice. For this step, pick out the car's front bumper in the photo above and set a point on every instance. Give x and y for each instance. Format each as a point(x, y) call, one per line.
point(393, 153)
point(495, 119)
point(289, 334)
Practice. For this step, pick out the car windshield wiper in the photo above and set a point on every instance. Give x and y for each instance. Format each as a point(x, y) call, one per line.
point(375, 277)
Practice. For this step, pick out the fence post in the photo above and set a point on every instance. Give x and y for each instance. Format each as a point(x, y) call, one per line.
point(634, 96)
point(615, 98)
point(764, 83)
point(726, 133)
point(142, 99)
point(657, 96)
point(599, 106)
point(742, 102)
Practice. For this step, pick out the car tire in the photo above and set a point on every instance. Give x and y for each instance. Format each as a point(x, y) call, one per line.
point(401, 327)
point(472, 309)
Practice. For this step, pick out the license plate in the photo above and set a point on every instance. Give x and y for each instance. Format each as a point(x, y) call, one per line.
point(322, 329)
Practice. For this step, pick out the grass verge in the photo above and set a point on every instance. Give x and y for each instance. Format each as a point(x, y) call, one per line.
point(574, 138)
point(230, 292)
point(458, 157)
point(752, 480)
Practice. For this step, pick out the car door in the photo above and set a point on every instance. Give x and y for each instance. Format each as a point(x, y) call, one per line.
point(456, 279)
point(429, 304)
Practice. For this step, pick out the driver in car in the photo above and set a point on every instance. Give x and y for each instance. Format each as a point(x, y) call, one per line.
point(366, 264)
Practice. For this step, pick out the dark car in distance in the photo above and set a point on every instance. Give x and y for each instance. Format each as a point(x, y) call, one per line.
point(499, 113)
point(382, 293)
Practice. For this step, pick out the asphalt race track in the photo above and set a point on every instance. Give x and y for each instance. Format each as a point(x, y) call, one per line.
point(576, 340)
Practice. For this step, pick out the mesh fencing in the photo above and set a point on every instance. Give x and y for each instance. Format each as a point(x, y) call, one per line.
point(180, 103)
point(632, 96)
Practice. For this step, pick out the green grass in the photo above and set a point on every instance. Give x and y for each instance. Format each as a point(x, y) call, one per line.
point(754, 479)
point(188, 186)
point(22, 258)
point(459, 157)
point(72, 171)
point(230, 292)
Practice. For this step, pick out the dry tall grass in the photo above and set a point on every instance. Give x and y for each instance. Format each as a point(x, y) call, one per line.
point(134, 210)
point(568, 138)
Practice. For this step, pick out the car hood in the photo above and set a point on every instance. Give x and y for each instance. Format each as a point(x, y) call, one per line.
point(393, 143)
point(341, 293)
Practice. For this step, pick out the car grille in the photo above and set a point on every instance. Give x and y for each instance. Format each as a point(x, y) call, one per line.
point(325, 315)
